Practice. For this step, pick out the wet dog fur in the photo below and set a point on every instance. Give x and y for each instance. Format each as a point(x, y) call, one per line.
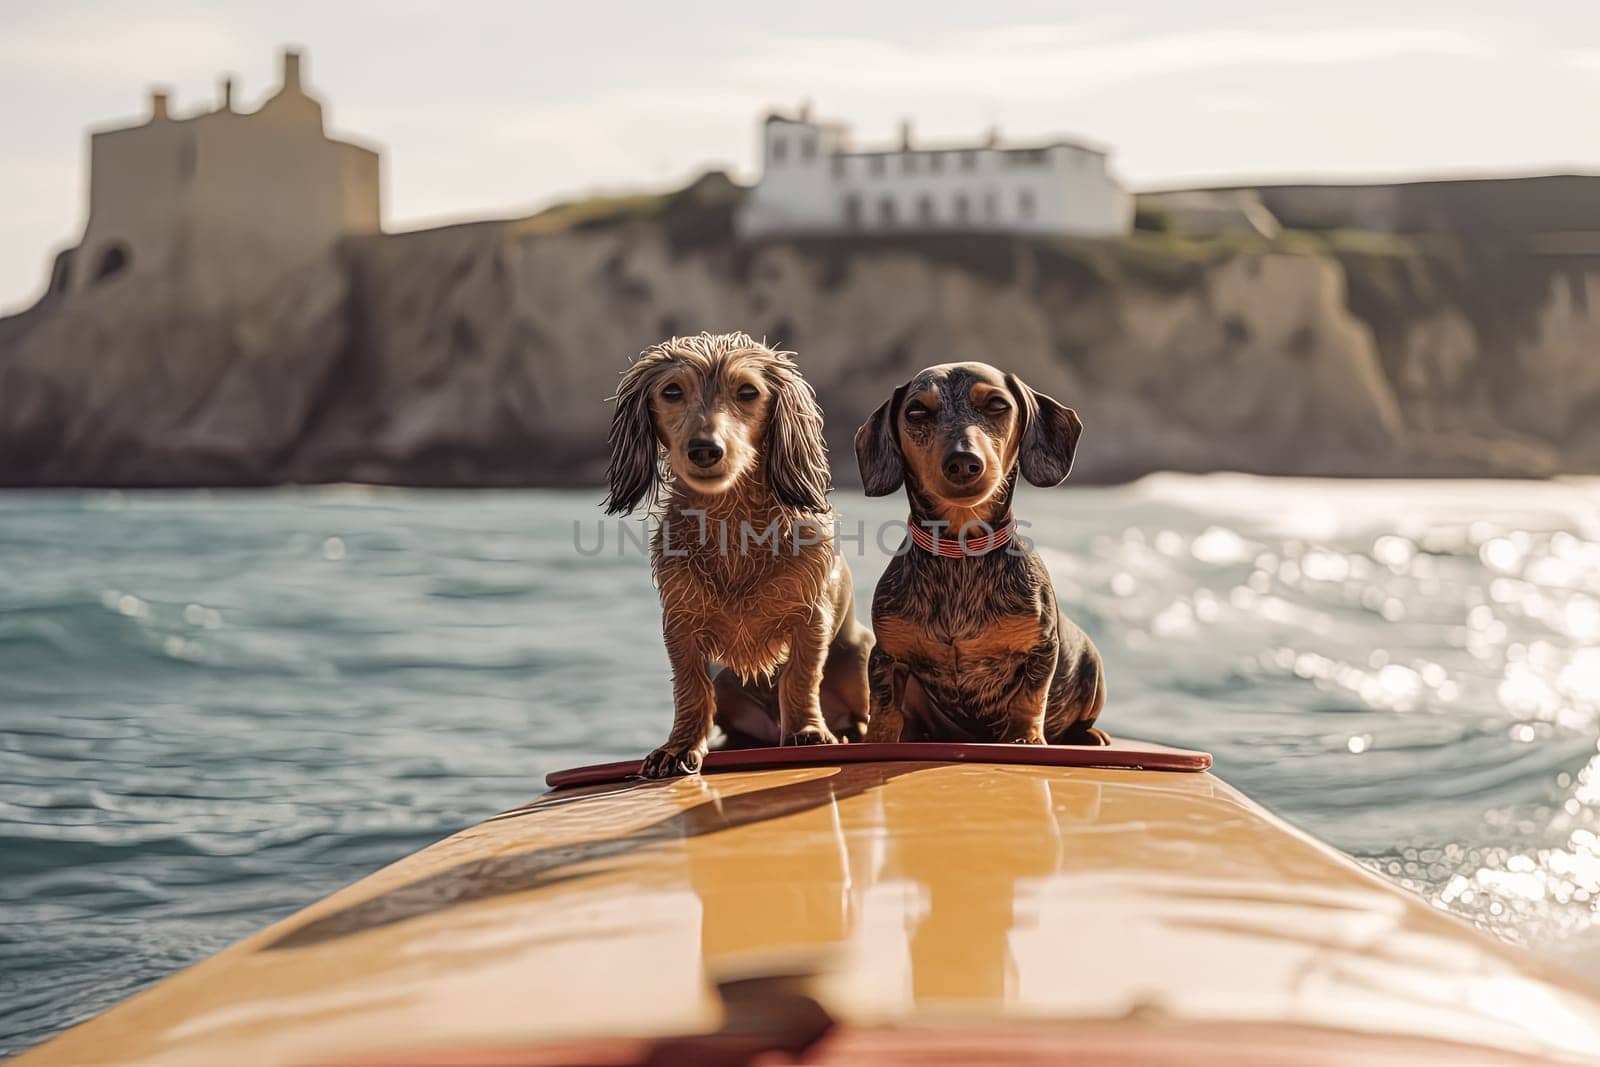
point(729, 435)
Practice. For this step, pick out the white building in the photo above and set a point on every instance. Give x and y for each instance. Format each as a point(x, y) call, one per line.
point(812, 180)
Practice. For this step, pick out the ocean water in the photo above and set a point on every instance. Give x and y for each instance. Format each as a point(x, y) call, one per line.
point(218, 707)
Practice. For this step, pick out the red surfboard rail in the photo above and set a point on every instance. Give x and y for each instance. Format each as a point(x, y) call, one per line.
point(1123, 755)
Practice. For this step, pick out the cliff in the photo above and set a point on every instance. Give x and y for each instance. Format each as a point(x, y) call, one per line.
point(1546, 203)
point(482, 354)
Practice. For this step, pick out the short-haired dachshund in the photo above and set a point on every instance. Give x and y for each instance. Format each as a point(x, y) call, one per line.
point(971, 644)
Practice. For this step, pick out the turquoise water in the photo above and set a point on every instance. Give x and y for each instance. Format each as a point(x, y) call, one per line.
point(218, 707)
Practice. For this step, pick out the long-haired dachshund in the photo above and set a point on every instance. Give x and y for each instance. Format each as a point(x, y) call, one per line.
point(743, 553)
point(971, 645)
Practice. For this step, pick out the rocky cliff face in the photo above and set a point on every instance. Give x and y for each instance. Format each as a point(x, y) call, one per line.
point(482, 354)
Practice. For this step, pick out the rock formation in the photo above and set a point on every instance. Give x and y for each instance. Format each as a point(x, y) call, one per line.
point(482, 354)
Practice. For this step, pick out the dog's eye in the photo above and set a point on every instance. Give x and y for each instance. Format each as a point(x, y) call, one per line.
point(997, 406)
point(748, 392)
point(916, 412)
point(672, 392)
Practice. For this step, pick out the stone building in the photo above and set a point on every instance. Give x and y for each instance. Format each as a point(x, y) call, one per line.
point(223, 202)
point(813, 180)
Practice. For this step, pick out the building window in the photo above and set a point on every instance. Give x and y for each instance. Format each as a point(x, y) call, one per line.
point(991, 206)
point(908, 163)
point(780, 148)
point(852, 211)
point(838, 166)
point(886, 211)
point(925, 209)
point(969, 161)
point(808, 146)
point(961, 210)
point(875, 166)
point(1025, 204)
point(935, 163)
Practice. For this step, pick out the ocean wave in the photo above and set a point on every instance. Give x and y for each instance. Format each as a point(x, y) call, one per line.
point(219, 707)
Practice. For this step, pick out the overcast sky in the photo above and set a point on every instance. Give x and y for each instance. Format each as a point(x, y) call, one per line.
point(498, 108)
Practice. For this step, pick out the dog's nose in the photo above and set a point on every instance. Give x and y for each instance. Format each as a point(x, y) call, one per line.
point(962, 467)
point(705, 451)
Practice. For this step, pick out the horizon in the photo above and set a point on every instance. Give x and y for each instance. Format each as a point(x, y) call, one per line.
point(472, 126)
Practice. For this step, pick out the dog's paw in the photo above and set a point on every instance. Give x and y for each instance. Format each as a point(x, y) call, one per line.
point(671, 763)
point(855, 732)
point(1026, 739)
point(811, 735)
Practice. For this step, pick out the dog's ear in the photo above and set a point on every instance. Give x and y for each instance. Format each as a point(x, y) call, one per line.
point(883, 468)
point(1049, 431)
point(635, 466)
point(797, 455)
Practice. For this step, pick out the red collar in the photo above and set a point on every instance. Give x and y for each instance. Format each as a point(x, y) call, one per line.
point(960, 547)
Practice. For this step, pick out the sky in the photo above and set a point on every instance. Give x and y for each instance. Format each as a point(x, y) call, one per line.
point(496, 109)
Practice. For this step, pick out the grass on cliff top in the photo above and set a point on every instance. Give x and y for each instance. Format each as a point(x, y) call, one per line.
point(1166, 260)
point(1159, 260)
point(701, 215)
point(698, 215)
point(578, 214)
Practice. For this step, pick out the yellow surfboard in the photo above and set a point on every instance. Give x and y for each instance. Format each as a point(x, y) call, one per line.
point(865, 904)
